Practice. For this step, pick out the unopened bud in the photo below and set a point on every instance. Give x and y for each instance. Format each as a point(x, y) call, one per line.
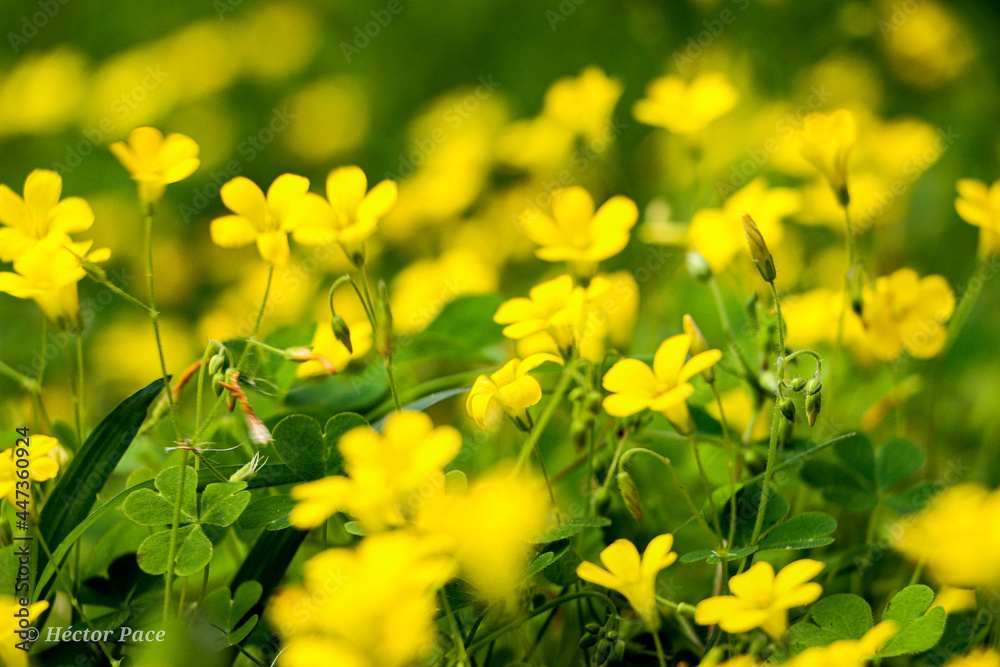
point(383, 320)
point(217, 380)
point(593, 627)
point(249, 470)
point(620, 649)
point(455, 481)
point(814, 400)
point(758, 250)
point(698, 344)
point(588, 640)
point(215, 363)
point(630, 494)
point(341, 332)
point(698, 266)
point(787, 409)
point(797, 384)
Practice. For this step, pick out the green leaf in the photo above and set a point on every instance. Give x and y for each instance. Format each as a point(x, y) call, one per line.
point(747, 503)
point(168, 482)
point(247, 595)
point(805, 531)
point(222, 503)
point(897, 460)
point(460, 331)
point(298, 440)
point(549, 554)
point(847, 616)
point(268, 559)
point(570, 527)
point(236, 635)
point(712, 556)
point(271, 513)
point(919, 629)
point(194, 551)
point(337, 426)
point(147, 508)
point(858, 455)
point(807, 635)
point(223, 614)
point(77, 487)
point(913, 499)
point(839, 486)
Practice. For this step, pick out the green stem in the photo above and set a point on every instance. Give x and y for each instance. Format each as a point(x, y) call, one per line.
point(499, 632)
point(536, 433)
point(706, 486)
point(660, 655)
point(731, 464)
point(463, 658)
point(29, 385)
point(82, 387)
point(154, 315)
point(75, 390)
point(965, 305)
point(172, 549)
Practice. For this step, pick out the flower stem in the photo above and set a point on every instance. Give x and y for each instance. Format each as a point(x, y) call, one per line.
point(731, 463)
point(536, 433)
point(706, 486)
point(154, 315)
point(660, 656)
point(172, 548)
point(463, 658)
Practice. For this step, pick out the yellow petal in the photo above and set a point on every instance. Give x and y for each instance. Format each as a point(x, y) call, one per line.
point(44, 468)
point(632, 377)
point(379, 200)
point(178, 157)
point(776, 624)
point(698, 363)
point(673, 398)
point(624, 405)
point(658, 555)
point(572, 207)
point(533, 361)
point(273, 246)
point(597, 575)
point(233, 231)
point(521, 393)
point(243, 197)
point(345, 188)
point(710, 610)
point(72, 214)
point(795, 574)
point(622, 559)
point(755, 583)
point(284, 192)
point(41, 191)
point(670, 358)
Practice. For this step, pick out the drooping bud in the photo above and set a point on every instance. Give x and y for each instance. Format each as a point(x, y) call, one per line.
point(758, 250)
point(797, 384)
point(698, 345)
point(341, 332)
point(249, 470)
point(787, 408)
point(698, 266)
point(215, 363)
point(630, 494)
point(814, 400)
point(383, 322)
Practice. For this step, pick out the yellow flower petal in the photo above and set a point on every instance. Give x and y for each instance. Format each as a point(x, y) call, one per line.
point(233, 231)
point(670, 358)
point(273, 246)
point(284, 192)
point(243, 197)
point(621, 558)
point(346, 187)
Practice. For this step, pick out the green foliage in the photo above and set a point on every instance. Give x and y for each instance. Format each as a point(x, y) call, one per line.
point(270, 513)
point(194, 551)
point(222, 504)
point(845, 616)
point(460, 332)
point(223, 611)
point(569, 527)
point(336, 427)
point(298, 440)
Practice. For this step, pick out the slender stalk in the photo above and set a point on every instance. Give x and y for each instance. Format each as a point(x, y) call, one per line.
point(706, 486)
point(154, 315)
point(172, 549)
point(968, 301)
point(731, 463)
point(536, 433)
point(660, 655)
point(75, 389)
point(463, 658)
point(82, 386)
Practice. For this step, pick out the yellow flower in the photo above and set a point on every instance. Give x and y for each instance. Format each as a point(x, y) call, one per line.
point(847, 652)
point(949, 536)
point(556, 308)
point(717, 233)
point(325, 343)
point(979, 205)
point(762, 599)
point(42, 465)
point(48, 274)
point(685, 108)
point(39, 214)
point(955, 600)
point(631, 576)
point(575, 233)
point(826, 142)
point(904, 311)
point(584, 103)
point(980, 657)
point(10, 655)
point(155, 161)
point(663, 388)
point(372, 606)
point(349, 214)
point(509, 389)
point(488, 527)
point(264, 220)
point(420, 291)
point(387, 473)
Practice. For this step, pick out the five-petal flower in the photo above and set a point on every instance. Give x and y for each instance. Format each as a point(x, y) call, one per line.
point(155, 162)
point(509, 389)
point(39, 214)
point(260, 219)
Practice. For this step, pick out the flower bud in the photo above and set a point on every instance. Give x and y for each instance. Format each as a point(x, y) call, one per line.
point(787, 409)
point(455, 481)
point(758, 250)
point(630, 494)
point(698, 266)
point(593, 627)
point(383, 321)
point(249, 470)
point(217, 380)
point(814, 400)
point(797, 384)
point(588, 640)
point(341, 332)
point(620, 649)
point(215, 363)
point(698, 345)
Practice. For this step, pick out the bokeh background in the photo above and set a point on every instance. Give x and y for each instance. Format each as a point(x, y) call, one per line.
point(440, 96)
